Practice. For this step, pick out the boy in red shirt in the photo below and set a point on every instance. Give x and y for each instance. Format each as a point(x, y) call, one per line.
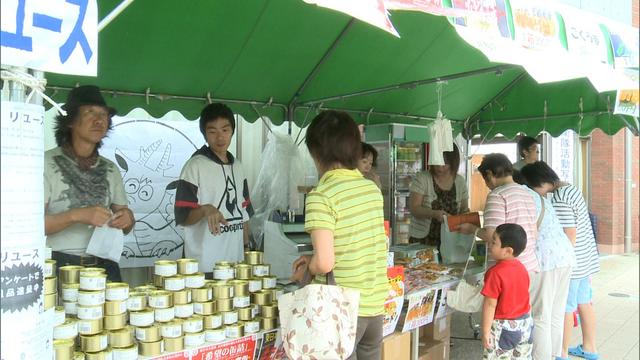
point(507, 327)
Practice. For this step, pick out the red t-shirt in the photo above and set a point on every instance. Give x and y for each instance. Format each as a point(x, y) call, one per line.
point(508, 281)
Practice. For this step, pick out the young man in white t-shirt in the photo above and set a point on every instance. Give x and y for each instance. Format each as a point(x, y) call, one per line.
point(212, 199)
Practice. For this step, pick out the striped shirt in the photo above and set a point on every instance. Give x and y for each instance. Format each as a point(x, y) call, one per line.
point(573, 213)
point(515, 204)
point(351, 207)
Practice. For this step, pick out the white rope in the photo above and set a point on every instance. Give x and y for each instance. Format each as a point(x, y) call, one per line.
point(36, 85)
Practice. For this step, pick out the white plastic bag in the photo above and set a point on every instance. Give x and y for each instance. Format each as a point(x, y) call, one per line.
point(454, 246)
point(106, 242)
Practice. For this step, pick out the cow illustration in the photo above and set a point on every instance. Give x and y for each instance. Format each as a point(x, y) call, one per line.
point(151, 197)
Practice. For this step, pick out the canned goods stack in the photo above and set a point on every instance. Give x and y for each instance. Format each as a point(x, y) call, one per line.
point(115, 323)
point(199, 304)
point(179, 310)
point(50, 284)
point(69, 277)
point(90, 311)
point(65, 331)
point(264, 292)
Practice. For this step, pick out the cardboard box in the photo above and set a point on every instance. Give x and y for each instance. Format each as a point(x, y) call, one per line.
point(397, 346)
point(434, 350)
point(439, 329)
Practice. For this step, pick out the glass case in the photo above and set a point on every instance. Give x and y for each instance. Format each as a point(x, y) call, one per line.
point(402, 153)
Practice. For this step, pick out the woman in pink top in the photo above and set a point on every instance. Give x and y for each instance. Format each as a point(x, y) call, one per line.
point(508, 202)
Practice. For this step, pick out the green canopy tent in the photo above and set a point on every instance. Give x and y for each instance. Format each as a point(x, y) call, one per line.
point(286, 60)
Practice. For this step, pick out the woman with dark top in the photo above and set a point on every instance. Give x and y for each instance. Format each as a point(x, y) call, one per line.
point(435, 193)
point(368, 162)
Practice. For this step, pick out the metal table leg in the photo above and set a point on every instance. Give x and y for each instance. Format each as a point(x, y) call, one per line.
point(415, 343)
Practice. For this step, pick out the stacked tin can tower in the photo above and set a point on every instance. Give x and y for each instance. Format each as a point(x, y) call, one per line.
point(107, 320)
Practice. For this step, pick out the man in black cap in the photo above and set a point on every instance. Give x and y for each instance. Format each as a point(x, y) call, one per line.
point(82, 190)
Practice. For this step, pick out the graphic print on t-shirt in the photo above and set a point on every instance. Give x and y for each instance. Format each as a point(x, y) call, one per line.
point(230, 200)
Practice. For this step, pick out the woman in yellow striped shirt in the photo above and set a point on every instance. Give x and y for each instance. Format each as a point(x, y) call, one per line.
point(344, 216)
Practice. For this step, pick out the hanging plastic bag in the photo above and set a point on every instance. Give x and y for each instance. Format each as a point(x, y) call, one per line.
point(281, 172)
point(454, 246)
point(106, 243)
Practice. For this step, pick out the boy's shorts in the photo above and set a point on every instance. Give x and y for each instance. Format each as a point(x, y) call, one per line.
point(511, 339)
point(579, 293)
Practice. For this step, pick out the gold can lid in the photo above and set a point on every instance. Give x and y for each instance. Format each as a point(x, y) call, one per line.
point(63, 343)
point(186, 260)
point(117, 285)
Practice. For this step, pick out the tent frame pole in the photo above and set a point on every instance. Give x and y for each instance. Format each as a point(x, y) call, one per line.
point(113, 14)
point(412, 84)
point(312, 75)
point(473, 118)
point(379, 113)
point(549, 117)
point(628, 191)
point(291, 107)
point(163, 97)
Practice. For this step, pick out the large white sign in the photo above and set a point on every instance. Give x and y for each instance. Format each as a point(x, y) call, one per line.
point(150, 155)
point(53, 35)
point(24, 335)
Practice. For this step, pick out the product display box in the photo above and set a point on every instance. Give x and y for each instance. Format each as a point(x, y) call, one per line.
point(434, 350)
point(397, 346)
point(439, 330)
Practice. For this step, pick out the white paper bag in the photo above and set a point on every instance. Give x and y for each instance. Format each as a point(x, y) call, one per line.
point(106, 242)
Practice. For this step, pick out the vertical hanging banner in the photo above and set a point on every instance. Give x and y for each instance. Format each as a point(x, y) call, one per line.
point(562, 160)
point(58, 36)
point(22, 231)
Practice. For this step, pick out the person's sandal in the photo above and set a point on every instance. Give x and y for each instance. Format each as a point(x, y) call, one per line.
point(579, 352)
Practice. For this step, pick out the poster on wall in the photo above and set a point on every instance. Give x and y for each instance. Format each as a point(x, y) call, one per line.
point(150, 155)
point(22, 254)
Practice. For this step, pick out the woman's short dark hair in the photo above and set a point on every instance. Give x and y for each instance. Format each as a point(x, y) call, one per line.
point(334, 138)
point(369, 149)
point(513, 236)
point(451, 158)
point(62, 131)
point(215, 111)
point(498, 164)
point(538, 173)
point(525, 143)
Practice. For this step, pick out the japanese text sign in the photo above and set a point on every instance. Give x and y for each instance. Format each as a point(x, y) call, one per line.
point(58, 36)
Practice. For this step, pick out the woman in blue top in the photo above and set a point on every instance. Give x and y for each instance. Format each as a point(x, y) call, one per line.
point(557, 258)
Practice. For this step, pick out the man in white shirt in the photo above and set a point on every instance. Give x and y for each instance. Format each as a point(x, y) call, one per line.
point(527, 151)
point(82, 190)
point(212, 198)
